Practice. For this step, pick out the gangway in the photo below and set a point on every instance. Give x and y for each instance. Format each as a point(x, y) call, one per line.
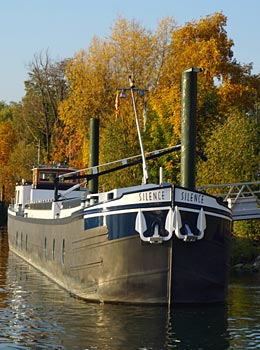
point(242, 197)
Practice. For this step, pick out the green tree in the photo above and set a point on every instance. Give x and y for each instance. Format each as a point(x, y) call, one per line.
point(6, 111)
point(233, 151)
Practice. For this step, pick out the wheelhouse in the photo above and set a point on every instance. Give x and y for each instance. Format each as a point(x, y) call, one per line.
point(44, 177)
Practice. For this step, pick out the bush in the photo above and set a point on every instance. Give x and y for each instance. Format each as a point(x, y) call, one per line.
point(244, 250)
point(247, 229)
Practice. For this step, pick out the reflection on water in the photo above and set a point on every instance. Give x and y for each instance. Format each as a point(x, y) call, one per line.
point(244, 314)
point(198, 328)
point(37, 314)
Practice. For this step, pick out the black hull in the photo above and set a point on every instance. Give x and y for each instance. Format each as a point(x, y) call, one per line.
point(95, 269)
point(200, 274)
point(124, 270)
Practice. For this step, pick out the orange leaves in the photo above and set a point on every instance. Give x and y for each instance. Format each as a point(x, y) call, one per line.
point(7, 141)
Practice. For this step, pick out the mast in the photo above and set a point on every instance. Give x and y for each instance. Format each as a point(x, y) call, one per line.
point(141, 93)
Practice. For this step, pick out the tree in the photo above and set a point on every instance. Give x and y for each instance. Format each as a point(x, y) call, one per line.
point(6, 111)
point(203, 44)
point(45, 89)
point(7, 143)
point(61, 97)
point(93, 77)
point(233, 151)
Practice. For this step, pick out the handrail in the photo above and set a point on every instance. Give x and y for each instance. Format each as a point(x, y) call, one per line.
point(236, 190)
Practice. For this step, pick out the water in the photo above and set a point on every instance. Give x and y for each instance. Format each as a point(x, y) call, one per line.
point(37, 314)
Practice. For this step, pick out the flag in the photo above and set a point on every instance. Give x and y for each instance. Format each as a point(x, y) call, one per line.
point(117, 104)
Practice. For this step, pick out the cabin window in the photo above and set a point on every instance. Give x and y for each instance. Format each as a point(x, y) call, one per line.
point(45, 247)
point(47, 176)
point(26, 242)
point(16, 239)
point(21, 240)
point(63, 251)
point(53, 250)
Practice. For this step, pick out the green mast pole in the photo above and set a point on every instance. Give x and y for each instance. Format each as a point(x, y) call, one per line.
point(188, 127)
point(94, 152)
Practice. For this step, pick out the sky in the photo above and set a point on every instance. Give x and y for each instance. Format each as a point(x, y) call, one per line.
point(64, 27)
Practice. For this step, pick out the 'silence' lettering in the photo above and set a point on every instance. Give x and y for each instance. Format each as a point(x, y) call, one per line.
point(192, 197)
point(151, 196)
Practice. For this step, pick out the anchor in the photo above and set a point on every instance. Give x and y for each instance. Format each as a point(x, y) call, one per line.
point(190, 236)
point(141, 227)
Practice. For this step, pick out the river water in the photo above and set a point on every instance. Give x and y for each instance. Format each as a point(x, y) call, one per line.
point(37, 314)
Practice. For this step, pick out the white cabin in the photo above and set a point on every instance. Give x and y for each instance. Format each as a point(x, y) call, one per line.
point(42, 187)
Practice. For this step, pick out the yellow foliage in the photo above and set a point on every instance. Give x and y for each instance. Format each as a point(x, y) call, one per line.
point(93, 77)
point(203, 44)
point(156, 61)
point(236, 94)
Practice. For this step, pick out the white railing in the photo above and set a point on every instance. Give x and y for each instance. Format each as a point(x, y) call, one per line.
point(243, 198)
point(234, 191)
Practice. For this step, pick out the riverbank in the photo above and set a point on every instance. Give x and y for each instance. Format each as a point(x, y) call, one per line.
point(245, 255)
